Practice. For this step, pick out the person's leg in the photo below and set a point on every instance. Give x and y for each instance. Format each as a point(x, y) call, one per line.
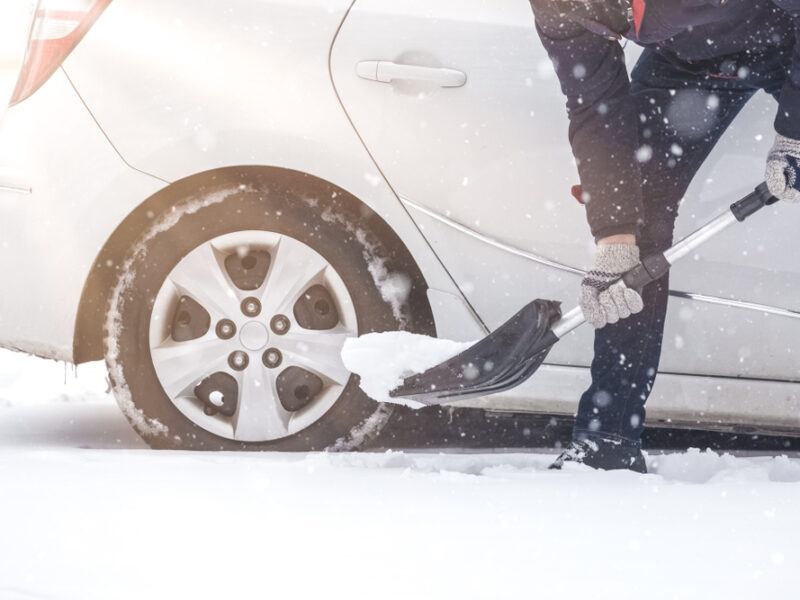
point(682, 120)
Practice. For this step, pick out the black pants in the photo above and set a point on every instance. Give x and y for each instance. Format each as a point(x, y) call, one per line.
point(684, 109)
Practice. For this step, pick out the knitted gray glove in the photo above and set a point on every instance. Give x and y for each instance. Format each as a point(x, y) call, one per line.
point(600, 303)
point(783, 169)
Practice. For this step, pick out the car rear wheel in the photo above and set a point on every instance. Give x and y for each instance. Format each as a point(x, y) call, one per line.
point(226, 325)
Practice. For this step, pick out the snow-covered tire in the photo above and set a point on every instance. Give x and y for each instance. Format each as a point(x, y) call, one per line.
point(370, 279)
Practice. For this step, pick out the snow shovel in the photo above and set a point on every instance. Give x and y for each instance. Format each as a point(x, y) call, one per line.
point(512, 353)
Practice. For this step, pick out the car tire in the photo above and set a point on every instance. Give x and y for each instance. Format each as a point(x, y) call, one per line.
point(242, 215)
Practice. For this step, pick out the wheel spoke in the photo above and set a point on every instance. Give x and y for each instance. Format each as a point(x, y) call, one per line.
point(259, 415)
point(181, 365)
point(295, 267)
point(201, 276)
point(318, 351)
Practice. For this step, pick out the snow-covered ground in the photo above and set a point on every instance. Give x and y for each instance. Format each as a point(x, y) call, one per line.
point(87, 512)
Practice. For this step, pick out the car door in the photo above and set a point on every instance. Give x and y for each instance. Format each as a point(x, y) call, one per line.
point(460, 108)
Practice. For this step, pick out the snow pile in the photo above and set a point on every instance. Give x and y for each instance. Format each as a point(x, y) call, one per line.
point(695, 466)
point(27, 380)
point(44, 404)
point(383, 360)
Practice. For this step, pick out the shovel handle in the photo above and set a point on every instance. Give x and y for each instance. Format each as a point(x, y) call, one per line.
point(656, 265)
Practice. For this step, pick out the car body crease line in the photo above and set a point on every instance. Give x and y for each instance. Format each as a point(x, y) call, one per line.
point(105, 135)
point(453, 224)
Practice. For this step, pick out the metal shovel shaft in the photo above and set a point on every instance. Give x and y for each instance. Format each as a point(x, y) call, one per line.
point(655, 266)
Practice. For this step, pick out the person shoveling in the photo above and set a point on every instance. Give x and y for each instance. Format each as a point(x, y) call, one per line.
point(638, 142)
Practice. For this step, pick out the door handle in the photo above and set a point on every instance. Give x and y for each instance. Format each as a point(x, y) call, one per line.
point(386, 72)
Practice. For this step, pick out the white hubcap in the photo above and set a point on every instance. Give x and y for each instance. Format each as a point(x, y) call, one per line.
point(262, 370)
point(254, 336)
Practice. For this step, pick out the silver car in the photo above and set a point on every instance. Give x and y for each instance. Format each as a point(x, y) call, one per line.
point(213, 196)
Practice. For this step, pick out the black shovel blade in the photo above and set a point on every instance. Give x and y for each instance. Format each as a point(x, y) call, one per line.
point(514, 349)
point(521, 372)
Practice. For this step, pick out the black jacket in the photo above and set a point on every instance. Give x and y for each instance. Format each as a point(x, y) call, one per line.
point(578, 36)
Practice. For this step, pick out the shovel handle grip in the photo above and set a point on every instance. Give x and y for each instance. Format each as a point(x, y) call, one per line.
point(651, 268)
point(753, 202)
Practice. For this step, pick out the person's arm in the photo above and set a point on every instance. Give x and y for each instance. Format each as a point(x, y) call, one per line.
point(783, 162)
point(603, 128)
point(787, 122)
point(603, 132)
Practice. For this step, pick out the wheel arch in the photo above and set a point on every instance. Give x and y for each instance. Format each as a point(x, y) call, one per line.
point(89, 323)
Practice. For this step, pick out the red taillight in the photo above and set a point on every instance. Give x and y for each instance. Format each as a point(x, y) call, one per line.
point(58, 26)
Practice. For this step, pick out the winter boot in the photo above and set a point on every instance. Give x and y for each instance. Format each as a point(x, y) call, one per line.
point(602, 454)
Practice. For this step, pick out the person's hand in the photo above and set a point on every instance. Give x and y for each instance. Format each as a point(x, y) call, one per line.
point(783, 169)
point(602, 304)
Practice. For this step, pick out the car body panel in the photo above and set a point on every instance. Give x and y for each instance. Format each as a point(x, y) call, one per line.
point(50, 236)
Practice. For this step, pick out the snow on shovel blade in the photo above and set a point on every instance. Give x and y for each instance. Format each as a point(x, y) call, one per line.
point(510, 354)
